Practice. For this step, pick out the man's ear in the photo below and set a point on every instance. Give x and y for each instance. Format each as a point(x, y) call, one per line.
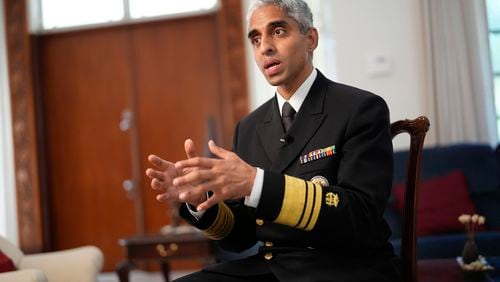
point(312, 37)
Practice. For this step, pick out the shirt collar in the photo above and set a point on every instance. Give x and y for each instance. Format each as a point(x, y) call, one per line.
point(300, 95)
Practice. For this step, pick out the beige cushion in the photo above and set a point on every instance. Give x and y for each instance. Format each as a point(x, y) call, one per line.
point(77, 265)
point(25, 275)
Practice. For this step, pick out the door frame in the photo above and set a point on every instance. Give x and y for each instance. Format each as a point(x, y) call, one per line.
point(30, 168)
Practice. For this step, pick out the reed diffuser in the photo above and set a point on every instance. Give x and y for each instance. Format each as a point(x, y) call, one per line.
point(472, 223)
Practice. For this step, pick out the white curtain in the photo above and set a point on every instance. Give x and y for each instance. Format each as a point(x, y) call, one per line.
point(459, 72)
point(8, 219)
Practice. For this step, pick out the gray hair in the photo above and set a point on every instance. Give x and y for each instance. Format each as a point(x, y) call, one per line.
point(295, 9)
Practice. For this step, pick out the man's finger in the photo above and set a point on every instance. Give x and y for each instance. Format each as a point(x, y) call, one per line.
point(151, 173)
point(211, 201)
point(218, 151)
point(193, 177)
point(195, 162)
point(190, 149)
point(159, 162)
point(163, 197)
point(197, 192)
point(156, 184)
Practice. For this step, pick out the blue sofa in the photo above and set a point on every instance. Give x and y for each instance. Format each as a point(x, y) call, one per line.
point(480, 165)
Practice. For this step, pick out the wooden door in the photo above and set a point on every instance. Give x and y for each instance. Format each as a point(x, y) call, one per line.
point(170, 76)
point(86, 85)
point(178, 86)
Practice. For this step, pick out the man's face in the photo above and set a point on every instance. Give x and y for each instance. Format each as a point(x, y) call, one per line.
point(282, 52)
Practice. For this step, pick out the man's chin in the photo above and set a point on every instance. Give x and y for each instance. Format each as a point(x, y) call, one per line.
point(274, 80)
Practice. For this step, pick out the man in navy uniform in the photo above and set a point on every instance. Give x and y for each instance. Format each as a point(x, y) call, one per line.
point(309, 175)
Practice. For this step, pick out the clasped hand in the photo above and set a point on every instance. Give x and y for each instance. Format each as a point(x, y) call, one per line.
point(227, 177)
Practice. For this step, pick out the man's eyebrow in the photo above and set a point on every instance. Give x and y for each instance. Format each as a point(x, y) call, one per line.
point(278, 23)
point(271, 25)
point(251, 33)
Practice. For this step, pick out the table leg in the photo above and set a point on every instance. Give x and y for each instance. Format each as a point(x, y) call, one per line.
point(123, 270)
point(165, 269)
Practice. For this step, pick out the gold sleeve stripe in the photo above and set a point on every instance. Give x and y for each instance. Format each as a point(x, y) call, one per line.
point(293, 201)
point(301, 203)
point(310, 192)
point(223, 224)
point(318, 195)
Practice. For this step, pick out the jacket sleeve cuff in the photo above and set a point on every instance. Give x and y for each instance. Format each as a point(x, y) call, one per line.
point(217, 222)
point(290, 201)
point(201, 223)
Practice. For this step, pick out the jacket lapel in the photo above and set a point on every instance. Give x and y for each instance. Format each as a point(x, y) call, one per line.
point(306, 123)
point(271, 130)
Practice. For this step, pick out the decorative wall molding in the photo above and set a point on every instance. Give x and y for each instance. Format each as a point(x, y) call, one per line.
point(234, 74)
point(24, 127)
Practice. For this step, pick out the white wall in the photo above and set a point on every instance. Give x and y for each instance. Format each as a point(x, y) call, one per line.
point(391, 28)
point(8, 218)
point(352, 34)
point(364, 29)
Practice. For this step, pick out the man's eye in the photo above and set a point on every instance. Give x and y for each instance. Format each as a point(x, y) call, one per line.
point(255, 40)
point(279, 31)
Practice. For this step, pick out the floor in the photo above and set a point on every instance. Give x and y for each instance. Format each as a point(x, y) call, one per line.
point(140, 276)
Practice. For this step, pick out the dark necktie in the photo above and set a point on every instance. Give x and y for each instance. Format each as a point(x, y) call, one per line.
point(288, 114)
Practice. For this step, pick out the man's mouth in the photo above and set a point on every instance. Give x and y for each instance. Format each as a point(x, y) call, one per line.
point(272, 66)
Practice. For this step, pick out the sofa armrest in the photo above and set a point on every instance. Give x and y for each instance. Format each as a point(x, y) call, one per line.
point(24, 275)
point(78, 264)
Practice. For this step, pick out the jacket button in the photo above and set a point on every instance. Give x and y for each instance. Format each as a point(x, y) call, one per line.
point(268, 256)
point(268, 244)
point(259, 221)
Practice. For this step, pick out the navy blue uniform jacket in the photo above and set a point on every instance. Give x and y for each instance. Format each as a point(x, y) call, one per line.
point(313, 230)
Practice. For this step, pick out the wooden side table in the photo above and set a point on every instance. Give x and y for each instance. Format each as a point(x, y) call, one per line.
point(448, 270)
point(162, 249)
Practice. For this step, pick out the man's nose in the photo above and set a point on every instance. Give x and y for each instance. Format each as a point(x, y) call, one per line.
point(267, 45)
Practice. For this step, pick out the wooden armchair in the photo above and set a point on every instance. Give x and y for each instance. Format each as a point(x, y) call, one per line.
point(417, 130)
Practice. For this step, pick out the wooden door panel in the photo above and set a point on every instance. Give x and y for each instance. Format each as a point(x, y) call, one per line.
point(170, 74)
point(86, 85)
point(178, 85)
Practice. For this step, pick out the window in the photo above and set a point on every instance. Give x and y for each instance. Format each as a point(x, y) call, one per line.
point(151, 8)
point(493, 7)
point(65, 13)
point(53, 15)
